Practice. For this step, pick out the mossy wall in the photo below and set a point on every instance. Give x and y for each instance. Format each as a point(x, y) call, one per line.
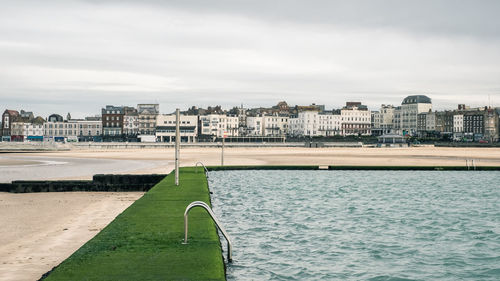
point(99, 183)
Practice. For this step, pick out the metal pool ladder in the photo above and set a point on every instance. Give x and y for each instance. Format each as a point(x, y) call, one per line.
point(206, 170)
point(211, 213)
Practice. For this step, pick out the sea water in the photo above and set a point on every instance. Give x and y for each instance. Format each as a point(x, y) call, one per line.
point(360, 225)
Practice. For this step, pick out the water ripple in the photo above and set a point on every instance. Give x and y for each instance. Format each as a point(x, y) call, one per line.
point(360, 225)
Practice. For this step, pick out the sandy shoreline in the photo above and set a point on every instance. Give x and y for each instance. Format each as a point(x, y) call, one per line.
point(40, 230)
point(420, 156)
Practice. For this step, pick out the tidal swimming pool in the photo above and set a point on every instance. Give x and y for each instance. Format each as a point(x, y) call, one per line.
point(360, 225)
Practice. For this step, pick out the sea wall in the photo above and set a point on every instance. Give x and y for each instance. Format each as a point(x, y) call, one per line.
point(388, 168)
point(98, 183)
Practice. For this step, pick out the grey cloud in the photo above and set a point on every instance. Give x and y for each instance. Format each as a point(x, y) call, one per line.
point(72, 55)
point(443, 17)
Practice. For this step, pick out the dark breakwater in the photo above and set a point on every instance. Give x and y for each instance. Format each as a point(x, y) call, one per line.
point(98, 183)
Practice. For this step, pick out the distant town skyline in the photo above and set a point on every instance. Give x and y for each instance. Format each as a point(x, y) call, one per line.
point(76, 56)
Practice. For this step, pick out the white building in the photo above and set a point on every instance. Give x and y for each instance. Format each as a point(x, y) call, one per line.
point(27, 130)
point(166, 126)
point(218, 125)
point(383, 120)
point(254, 125)
point(356, 119)
point(329, 124)
point(73, 129)
point(88, 128)
point(305, 124)
point(131, 124)
point(267, 126)
point(62, 129)
point(311, 123)
point(458, 126)
point(410, 108)
point(275, 125)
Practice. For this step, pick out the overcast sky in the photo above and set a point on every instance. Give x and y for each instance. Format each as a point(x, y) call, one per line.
point(77, 56)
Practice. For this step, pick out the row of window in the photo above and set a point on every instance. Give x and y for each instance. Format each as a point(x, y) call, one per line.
point(72, 126)
point(182, 122)
point(69, 133)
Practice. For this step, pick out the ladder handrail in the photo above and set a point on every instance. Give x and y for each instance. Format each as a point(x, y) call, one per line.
point(206, 170)
point(211, 213)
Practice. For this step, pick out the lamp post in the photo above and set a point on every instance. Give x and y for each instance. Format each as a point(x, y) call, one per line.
point(177, 145)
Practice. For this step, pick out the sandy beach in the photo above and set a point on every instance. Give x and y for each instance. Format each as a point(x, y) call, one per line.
point(40, 230)
point(417, 156)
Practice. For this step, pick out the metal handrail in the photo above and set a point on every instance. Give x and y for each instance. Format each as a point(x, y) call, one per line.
point(206, 170)
point(470, 164)
point(211, 213)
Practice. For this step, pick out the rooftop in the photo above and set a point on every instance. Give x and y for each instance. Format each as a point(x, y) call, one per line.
point(416, 99)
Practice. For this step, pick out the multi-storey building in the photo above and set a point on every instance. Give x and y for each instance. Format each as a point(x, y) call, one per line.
point(88, 128)
point(304, 124)
point(421, 124)
point(430, 122)
point(8, 117)
point(27, 129)
point(166, 126)
point(59, 131)
point(491, 124)
point(426, 124)
point(480, 124)
point(267, 126)
point(458, 126)
point(219, 125)
point(376, 120)
point(254, 126)
point(329, 123)
point(74, 129)
point(35, 129)
point(410, 108)
point(19, 130)
point(313, 124)
point(444, 123)
point(147, 118)
point(242, 120)
point(275, 125)
point(356, 119)
point(130, 122)
point(383, 120)
point(112, 120)
point(473, 125)
point(396, 124)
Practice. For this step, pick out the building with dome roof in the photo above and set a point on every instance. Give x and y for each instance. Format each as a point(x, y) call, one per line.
point(408, 112)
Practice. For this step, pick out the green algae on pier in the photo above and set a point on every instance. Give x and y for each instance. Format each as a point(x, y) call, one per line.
point(145, 241)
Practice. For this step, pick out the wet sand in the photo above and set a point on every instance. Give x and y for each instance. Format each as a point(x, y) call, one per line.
point(419, 156)
point(40, 230)
point(33, 167)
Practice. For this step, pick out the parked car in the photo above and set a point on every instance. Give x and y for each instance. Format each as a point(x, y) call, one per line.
point(483, 141)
